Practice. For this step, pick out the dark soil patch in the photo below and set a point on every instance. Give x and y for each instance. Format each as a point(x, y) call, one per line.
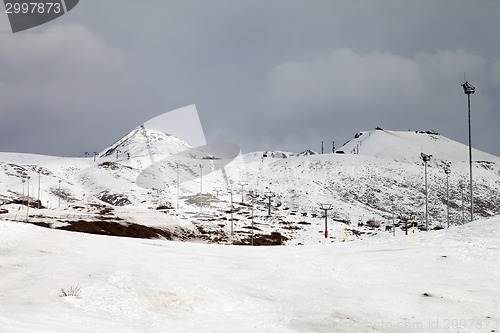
point(356, 232)
point(113, 229)
point(42, 224)
point(275, 238)
point(114, 199)
point(291, 227)
point(167, 205)
point(32, 203)
point(250, 227)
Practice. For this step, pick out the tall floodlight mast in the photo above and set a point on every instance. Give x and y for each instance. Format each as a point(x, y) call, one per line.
point(201, 188)
point(462, 186)
point(24, 198)
point(468, 90)
point(447, 171)
point(59, 195)
point(426, 159)
point(39, 183)
point(230, 191)
point(178, 184)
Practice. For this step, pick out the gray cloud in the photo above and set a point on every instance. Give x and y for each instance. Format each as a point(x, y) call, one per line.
point(266, 75)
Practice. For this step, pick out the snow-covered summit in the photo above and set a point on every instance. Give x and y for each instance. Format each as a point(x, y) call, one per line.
point(142, 141)
point(406, 146)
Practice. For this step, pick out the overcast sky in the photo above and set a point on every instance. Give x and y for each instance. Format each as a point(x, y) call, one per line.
point(280, 74)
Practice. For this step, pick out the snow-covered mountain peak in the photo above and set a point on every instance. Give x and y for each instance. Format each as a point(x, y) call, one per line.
point(143, 141)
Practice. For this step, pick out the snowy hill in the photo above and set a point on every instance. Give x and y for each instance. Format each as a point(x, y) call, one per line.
point(153, 179)
point(406, 147)
point(380, 172)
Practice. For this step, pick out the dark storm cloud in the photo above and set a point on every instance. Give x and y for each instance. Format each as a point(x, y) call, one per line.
point(280, 74)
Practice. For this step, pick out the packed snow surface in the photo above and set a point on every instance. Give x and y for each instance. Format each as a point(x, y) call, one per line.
point(440, 281)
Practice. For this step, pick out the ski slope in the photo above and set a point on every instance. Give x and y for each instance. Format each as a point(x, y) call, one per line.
point(444, 281)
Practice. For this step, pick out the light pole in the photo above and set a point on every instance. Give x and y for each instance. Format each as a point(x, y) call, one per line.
point(254, 196)
point(230, 190)
point(426, 159)
point(269, 195)
point(165, 186)
point(393, 227)
point(252, 224)
point(447, 171)
point(462, 186)
point(28, 186)
point(469, 89)
point(201, 188)
point(326, 208)
point(23, 181)
point(28, 203)
point(39, 182)
point(59, 195)
point(178, 184)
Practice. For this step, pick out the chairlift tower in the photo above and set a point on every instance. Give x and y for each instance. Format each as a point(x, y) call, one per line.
point(269, 195)
point(242, 184)
point(217, 190)
point(326, 208)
